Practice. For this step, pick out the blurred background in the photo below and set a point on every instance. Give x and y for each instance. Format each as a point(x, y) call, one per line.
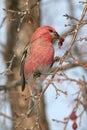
point(13, 37)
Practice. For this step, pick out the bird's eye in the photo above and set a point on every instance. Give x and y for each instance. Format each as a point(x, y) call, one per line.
point(50, 30)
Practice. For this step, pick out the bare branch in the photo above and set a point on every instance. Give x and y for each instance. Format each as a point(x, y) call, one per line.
point(6, 116)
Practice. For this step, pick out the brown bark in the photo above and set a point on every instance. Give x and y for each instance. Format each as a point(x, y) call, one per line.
point(15, 43)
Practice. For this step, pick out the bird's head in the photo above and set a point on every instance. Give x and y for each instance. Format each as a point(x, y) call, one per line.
point(47, 32)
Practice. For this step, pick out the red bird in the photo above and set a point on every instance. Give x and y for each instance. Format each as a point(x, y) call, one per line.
point(37, 60)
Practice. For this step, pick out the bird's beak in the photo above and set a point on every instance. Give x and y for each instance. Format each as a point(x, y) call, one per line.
point(60, 38)
point(56, 35)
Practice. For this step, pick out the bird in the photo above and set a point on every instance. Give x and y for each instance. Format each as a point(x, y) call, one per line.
point(37, 60)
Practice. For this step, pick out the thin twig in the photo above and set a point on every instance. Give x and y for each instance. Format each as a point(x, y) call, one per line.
point(6, 116)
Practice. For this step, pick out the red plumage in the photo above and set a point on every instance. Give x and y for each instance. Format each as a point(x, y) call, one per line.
point(37, 58)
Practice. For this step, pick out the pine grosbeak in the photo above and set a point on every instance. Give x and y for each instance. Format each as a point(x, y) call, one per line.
point(38, 56)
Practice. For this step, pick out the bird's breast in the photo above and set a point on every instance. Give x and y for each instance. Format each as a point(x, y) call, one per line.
point(40, 58)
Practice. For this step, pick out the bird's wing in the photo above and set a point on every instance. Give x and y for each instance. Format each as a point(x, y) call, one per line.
point(22, 66)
